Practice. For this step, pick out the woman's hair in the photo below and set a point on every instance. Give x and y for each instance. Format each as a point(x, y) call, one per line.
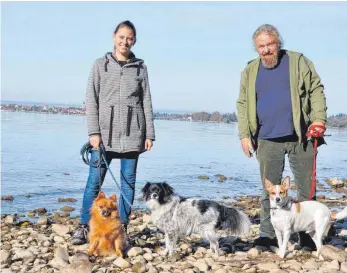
point(270, 30)
point(126, 24)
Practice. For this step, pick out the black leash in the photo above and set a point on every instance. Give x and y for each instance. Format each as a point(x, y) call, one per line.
point(86, 150)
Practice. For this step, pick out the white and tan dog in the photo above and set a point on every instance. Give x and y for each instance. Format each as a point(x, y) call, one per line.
point(288, 216)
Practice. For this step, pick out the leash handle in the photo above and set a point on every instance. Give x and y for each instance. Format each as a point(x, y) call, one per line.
point(313, 133)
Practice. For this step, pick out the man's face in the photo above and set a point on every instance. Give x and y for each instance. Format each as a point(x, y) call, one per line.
point(267, 47)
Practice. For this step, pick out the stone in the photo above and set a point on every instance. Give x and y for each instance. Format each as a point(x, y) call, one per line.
point(120, 262)
point(135, 251)
point(267, 266)
point(5, 256)
point(42, 220)
point(343, 267)
point(23, 254)
point(333, 253)
point(61, 230)
point(10, 219)
point(7, 198)
point(67, 209)
point(253, 252)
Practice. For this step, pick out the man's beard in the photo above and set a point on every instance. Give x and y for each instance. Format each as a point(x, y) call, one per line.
point(270, 61)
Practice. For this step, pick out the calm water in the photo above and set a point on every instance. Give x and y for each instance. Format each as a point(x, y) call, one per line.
point(39, 150)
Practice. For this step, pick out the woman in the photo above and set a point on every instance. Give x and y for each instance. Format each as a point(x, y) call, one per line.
point(119, 113)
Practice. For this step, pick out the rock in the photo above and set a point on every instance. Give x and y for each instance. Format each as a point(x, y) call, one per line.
point(61, 230)
point(202, 265)
point(310, 264)
point(139, 267)
point(251, 270)
point(293, 187)
point(333, 253)
point(253, 252)
point(58, 263)
point(267, 266)
point(10, 219)
point(7, 198)
point(5, 256)
point(334, 182)
point(334, 265)
point(42, 221)
point(292, 264)
point(27, 195)
point(203, 177)
point(344, 267)
point(23, 254)
point(79, 256)
point(72, 200)
point(78, 267)
point(120, 262)
point(148, 256)
point(61, 253)
point(135, 251)
point(31, 214)
point(343, 233)
point(58, 239)
point(67, 209)
point(221, 270)
point(41, 210)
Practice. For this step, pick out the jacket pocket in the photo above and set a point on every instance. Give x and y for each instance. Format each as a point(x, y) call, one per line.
point(138, 121)
point(111, 127)
point(129, 117)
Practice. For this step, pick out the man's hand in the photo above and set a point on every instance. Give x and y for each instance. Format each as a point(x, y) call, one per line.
point(95, 141)
point(148, 144)
point(320, 130)
point(247, 147)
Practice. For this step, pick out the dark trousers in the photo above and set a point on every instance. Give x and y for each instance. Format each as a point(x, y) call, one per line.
point(271, 156)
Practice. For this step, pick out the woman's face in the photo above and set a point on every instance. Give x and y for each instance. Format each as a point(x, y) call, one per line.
point(123, 40)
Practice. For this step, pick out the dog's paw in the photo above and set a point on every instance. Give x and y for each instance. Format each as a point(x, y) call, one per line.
point(281, 253)
point(119, 253)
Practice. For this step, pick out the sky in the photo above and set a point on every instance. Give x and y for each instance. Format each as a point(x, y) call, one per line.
point(195, 51)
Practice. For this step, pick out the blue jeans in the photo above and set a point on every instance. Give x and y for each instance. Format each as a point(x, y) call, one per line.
point(127, 178)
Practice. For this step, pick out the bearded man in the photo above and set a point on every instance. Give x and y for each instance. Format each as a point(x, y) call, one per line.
point(281, 98)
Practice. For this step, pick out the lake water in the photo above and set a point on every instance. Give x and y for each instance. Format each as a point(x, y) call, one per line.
point(40, 157)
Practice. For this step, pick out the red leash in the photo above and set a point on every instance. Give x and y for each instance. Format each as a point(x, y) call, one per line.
point(313, 133)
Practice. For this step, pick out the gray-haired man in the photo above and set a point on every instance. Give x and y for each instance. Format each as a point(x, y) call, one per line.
point(281, 98)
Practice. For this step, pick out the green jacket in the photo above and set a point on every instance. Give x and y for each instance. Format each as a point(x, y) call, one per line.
point(307, 93)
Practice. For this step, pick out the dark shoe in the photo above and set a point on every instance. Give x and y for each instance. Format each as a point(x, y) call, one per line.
point(80, 237)
point(305, 242)
point(125, 228)
point(265, 241)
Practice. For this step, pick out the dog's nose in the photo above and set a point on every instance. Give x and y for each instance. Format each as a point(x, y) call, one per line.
point(154, 195)
point(278, 199)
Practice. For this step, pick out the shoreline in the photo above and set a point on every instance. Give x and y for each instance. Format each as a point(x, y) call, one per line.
point(45, 246)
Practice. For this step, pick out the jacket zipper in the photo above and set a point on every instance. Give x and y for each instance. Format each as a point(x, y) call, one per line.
point(130, 114)
point(111, 127)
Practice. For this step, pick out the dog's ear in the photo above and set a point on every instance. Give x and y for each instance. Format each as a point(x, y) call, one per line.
point(286, 183)
point(267, 184)
point(113, 197)
point(145, 188)
point(168, 189)
point(100, 195)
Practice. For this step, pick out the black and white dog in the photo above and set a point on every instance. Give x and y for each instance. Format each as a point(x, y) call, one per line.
point(178, 216)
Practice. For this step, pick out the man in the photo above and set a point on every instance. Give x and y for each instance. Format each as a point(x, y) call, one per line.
point(281, 98)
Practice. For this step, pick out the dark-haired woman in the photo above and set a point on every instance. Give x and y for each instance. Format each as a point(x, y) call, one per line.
point(119, 114)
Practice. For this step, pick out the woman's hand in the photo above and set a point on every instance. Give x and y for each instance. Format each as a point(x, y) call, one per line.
point(95, 141)
point(148, 144)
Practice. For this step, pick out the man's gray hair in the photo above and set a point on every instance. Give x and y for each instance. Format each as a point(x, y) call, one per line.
point(268, 29)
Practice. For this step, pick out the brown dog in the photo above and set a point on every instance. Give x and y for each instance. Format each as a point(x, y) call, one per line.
point(106, 236)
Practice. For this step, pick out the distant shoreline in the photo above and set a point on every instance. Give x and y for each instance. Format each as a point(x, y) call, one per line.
point(338, 121)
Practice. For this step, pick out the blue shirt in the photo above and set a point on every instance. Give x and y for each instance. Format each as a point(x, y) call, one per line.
point(274, 103)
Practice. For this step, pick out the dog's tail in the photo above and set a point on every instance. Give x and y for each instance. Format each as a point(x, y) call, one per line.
point(234, 221)
point(340, 215)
